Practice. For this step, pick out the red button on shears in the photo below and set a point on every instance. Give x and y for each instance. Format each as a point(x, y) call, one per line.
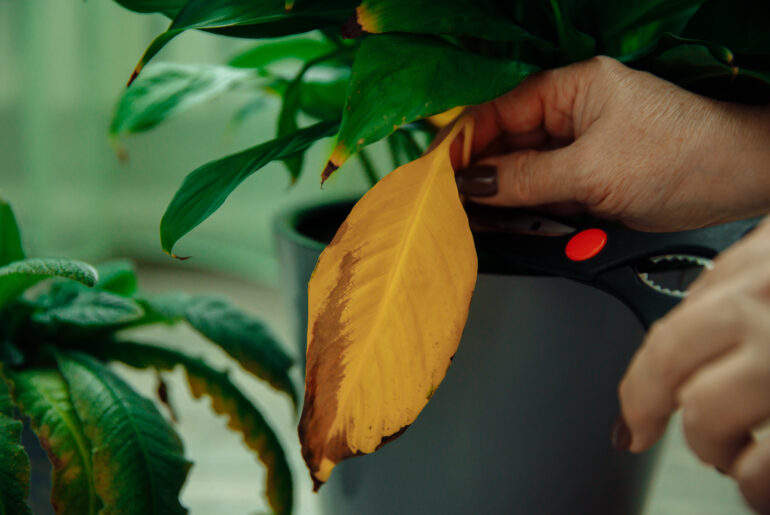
point(586, 244)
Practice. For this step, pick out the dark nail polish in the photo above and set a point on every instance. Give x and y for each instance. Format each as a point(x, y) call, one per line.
point(477, 181)
point(621, 435)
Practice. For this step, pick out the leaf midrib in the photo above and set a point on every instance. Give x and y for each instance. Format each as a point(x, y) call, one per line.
point(123, 408)
point(395, 272)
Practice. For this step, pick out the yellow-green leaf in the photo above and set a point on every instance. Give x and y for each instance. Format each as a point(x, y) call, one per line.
point(43, 396)
point(226, 399)
point(138, 459)
point(388, 302)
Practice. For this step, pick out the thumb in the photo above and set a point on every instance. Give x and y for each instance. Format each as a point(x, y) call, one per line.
point(522, 178)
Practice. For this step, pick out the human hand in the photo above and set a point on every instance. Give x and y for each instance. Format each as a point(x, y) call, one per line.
point(710, 356)
point(621, 144)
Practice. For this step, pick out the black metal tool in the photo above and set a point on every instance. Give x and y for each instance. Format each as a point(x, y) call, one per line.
point(620, 261)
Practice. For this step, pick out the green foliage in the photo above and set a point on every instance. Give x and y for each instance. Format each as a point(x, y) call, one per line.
point(398, 93)
point(168, 88)
point(20, 275)
point(43, 396)
point(110, 448)
point(10, 240)
point(227, 399)
point(14, 465)
point(244, 338)
point(414, 58)
point(139, 456)
point(205, 189)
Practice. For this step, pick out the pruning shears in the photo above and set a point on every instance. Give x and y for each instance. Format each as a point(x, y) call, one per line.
point(649, 272)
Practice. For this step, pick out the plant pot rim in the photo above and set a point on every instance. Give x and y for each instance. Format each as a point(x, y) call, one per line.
point(287, 220)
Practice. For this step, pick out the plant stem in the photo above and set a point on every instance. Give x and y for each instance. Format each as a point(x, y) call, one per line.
point(368, 167)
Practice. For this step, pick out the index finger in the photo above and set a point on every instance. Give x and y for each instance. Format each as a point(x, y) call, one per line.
point(543, 102)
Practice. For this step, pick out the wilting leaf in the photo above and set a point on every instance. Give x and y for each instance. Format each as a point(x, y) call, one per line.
point(10, 240)
point(166, 89)
point(248, 18)
point(20, 275)
point(205, 189)
point(451, 18)
point(138, 459)
point(43, 396)
point(226, 399)
point(118, 276)
point(244, 338)
point(14, 465)
point(387, 304)
point(400, 78)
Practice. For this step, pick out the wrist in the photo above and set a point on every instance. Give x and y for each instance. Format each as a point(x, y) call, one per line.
point(734, 155)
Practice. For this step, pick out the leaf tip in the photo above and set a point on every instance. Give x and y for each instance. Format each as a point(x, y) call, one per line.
point(329, 169)
point(135, 73)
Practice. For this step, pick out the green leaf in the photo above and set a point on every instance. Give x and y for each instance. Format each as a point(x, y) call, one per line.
point(93, 309)
point(244, 338)
point(118, 277)
point(14, 465)
point(228, 400)
point(265, 54)
point(400, 78)
point(292, 103)
point(43, 396)
point(617, 18)
point(206, 188)
point(137, 456)
point(20, 275)
point(167, 89)
point(574, 45)
point(247, 18)
point(707, 68)
point(473, 18)
point(10, 240)
point(168, 7)
point(322, 95)
point(168, 306)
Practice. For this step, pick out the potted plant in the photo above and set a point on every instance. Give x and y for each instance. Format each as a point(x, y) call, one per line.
point(109, 449)
point(402, 62)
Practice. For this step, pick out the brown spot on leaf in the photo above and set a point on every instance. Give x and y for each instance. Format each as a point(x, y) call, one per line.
point(329, 339)
point(328, 170)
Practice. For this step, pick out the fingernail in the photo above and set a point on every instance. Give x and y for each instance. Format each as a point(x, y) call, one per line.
point(477, 181)
point(621, 435)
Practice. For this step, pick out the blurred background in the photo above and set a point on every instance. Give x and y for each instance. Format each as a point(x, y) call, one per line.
point(63, 64)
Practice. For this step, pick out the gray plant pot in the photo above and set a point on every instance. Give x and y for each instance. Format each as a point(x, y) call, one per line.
point(522, 422)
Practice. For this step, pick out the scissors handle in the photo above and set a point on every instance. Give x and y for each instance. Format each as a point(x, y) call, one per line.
point(607, 257)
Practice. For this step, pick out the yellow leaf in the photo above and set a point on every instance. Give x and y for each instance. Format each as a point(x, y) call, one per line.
point(388, 302)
